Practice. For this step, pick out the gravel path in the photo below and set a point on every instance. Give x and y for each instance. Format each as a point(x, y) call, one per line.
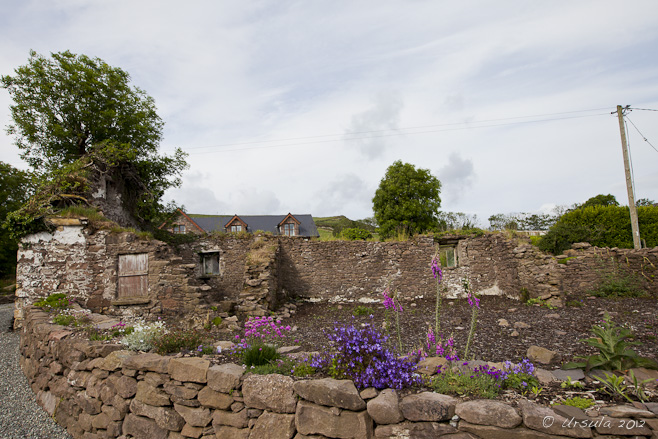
point(20, 416)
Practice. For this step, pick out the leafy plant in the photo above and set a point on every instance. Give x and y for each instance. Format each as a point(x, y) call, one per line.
point(363, 311)
point(64, 319)
point(259, 354)
point(540, 302)
point(568, 384)
point(614, 385)
point(639, 386)
point(56, 301)
point(614, 351)
point(579, 402)
point(614, 283)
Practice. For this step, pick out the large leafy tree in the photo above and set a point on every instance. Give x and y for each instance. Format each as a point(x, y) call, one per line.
point(407, 200)
point(69, 107)
point(15, 188)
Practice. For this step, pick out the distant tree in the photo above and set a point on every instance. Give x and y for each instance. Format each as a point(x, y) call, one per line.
point(644, 202)
point(600, 200)
point(407, 200)
point(71, 106)
point(456, 221)
point(15, 188)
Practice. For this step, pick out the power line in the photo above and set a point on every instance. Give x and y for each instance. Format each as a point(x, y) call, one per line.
point(469, 125)
point(642, 109)
point(636, 129)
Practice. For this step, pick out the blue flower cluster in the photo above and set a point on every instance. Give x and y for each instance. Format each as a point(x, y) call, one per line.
point(360, 355)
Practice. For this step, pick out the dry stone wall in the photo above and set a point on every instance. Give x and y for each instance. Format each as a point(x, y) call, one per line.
point(98, 390)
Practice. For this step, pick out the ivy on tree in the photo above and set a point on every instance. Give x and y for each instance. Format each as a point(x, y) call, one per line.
point(407, 200)
point(72, 106)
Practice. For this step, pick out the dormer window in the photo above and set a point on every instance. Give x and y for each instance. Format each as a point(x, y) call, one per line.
point(289, 229)
point(289, 226)
point(179, 228)
point(235, 225)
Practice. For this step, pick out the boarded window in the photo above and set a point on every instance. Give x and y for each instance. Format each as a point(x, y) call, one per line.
point(210, 264)
point(133, 275)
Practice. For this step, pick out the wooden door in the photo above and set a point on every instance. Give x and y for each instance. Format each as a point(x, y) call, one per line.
point(133, 275)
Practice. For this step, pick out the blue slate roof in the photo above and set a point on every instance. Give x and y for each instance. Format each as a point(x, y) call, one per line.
point(266, 223)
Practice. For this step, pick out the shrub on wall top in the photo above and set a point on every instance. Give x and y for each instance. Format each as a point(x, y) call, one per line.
point(602, 226)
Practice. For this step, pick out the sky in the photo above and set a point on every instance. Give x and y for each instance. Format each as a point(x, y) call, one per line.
point(301, 106)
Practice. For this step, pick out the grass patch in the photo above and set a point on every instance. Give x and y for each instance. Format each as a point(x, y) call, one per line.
point(363, 311)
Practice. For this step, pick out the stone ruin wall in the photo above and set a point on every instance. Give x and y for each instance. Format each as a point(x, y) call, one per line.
point(83, 264)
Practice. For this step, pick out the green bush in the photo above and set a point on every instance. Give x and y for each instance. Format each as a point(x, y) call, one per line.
point(354, 234)
point(142, 337)
point(602, 226)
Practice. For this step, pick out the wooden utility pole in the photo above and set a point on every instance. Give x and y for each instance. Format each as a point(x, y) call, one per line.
point(629, 182)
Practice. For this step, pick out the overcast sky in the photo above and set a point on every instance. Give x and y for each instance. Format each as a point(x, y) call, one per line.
point(300, 106)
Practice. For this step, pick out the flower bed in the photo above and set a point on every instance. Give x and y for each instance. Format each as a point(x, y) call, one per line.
point(96, 389)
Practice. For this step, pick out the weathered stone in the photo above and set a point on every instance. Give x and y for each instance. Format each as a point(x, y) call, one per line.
point(225, 432)
point(140, 427)
point(572, 374)
point(428, 406)
point(148, 362)
point(486, 412)
point(273, 426)
point(502, 322)
point(101, 420)
point(155, 379)
point(626, 411)
point(189, 369)
point(151, 395)
point(165, 417)
point(384, 409)
point(115, 360)
point(331, 392)
point(430, 365)
point(225, 377)
point(332, 422)
point(570, 412)
point(368, 393)
point(269, 392)
point(196, 417)
point(89, 404)
point(209, 398)
point(521, 325)
point(112, 412)
point(652, 407)
point(190, 431)
point(537, 354)
point(642, 374)
point(48, 401)
point(544, 376)
point(416, 430)
point(232, 419)
point(535, 417)
point(126, 387)
point(181, 392)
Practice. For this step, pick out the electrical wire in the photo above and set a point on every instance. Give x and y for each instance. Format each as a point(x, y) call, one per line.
point(642, 109)
point(640, 133)
point(469, 125)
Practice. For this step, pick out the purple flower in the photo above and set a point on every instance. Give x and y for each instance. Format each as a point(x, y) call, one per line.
point(436, 269)
point(472, 302)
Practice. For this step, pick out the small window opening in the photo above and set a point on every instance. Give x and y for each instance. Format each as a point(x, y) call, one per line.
point(179, 228)
point(448, 257)
point(210, 264)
